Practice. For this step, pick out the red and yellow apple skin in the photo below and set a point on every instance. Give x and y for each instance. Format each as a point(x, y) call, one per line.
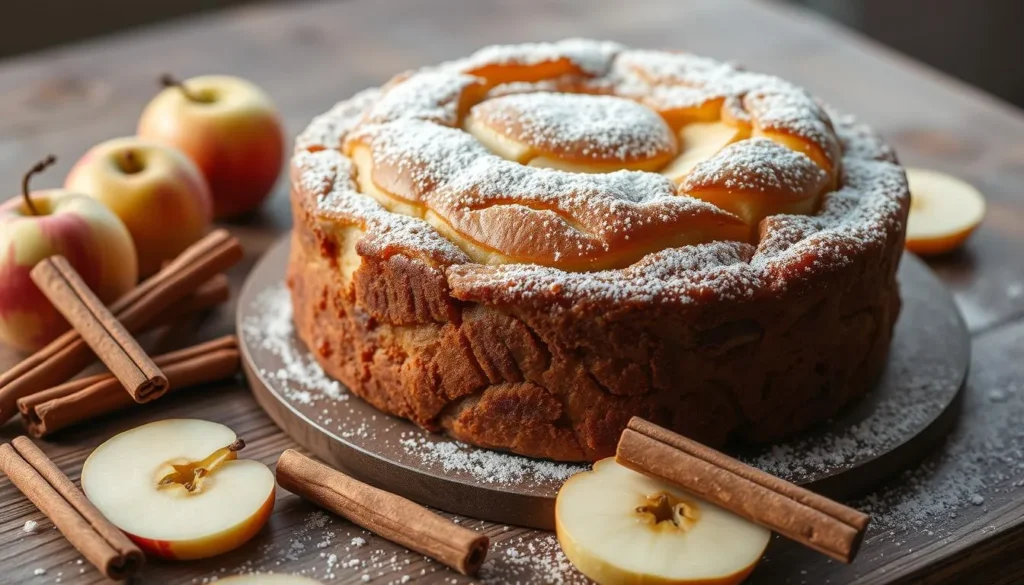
point(230, 129)
point(157, 191)
point(75, 226)
point(211, 545)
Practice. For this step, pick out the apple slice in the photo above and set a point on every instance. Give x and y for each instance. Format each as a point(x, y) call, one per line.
point(619, 527)
point(700, 141)
point(268, 579)
point(944, 211)
point(177, 489)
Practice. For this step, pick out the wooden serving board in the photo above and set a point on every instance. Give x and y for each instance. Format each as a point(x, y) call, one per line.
point(912, 408)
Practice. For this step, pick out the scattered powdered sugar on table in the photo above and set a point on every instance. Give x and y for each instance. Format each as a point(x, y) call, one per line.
point(980, 462)
point(324, 547)
point(329, 548)
point(525, 560)
point(893, 419)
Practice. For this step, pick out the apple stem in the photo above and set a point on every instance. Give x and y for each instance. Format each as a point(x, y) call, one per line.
point(168, 80)
point(36, 169)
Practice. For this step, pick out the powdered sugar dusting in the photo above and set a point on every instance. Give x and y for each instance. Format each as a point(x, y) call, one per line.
point(676, 275)
point(525, 560)
point(758, 165)
point(328, 129)
point(426, 95)
point(596, 128)
point(571, 216)
point(591, 57)
point(300, 378)
point(487, 466)
point(568, 220)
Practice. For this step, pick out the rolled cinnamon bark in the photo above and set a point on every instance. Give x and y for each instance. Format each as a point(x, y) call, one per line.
point(99, 541)
point(137, 310)
point(794, 512)
point(212, 293)
point(84, 399)
point(113, 344)
point(391, 516)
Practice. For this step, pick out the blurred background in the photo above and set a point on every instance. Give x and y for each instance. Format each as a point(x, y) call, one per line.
point(978, 41)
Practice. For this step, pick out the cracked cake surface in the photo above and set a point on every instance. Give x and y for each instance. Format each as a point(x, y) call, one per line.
point(529, 246)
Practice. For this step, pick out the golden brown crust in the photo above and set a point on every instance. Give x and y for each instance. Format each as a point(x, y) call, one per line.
point(720, 341)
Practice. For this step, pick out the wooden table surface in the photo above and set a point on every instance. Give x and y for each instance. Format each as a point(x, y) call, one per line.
point(956, 518)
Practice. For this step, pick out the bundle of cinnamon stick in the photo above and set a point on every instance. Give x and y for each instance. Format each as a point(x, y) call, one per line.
point(99, 541)
point(193, 281)
point(86, 398)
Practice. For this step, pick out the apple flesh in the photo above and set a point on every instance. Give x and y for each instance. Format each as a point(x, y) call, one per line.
point(698, 142)
point(81, 229)
point(619, 527)
point(222, 511)
point(157, 191)
point(944, 212)
point(229, 128)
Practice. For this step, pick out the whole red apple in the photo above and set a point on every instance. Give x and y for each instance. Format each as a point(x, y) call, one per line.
point(229, 128)
point(157, 191)
point(41, 224)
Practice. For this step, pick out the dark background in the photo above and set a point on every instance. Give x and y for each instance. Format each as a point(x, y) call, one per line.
point(979, 41)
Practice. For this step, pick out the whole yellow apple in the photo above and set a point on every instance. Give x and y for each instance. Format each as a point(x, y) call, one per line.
point(157, 191)
point(38, 225)
point(229, 128)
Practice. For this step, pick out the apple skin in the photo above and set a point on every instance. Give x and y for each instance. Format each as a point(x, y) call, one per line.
point(157, 191)
point(233, 134)
point(80, 228)
point(212, 545)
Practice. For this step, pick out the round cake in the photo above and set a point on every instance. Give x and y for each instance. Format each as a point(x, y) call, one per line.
point(529, 246)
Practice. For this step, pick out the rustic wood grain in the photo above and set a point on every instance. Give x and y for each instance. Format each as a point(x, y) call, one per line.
point(308, 55)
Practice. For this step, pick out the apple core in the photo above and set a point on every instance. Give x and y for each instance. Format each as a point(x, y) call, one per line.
point(190, 475)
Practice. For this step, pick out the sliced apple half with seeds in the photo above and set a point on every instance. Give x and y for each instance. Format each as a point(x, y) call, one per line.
point(177, 488)
point(619, 527)
point(944, 212)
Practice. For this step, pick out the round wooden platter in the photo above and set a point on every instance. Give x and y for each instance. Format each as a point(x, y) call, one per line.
point(913, 407)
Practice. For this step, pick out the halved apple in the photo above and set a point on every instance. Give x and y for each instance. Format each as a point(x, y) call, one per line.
point(177, 489)
point(268, 579)
point(944, 211)
point(619, 527)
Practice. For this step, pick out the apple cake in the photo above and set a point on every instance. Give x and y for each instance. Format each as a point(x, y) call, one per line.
point(527, 247)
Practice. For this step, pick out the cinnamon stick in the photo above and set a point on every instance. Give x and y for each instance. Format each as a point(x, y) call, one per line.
point(107, 337)
point(140, 308)
point(85, 399)
point(211, 293)
point(391, 516)
point(99, 541)
point(794, 512)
